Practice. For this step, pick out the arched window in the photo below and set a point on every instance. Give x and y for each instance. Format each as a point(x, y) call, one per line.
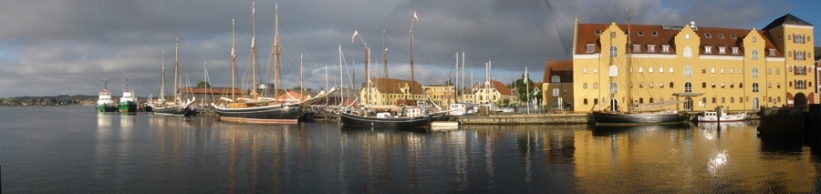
point(661, 69)
point(671, 69)
point(584, 70)
point(754, 54)
point(671, 84)
point(584, 85)
point(769, 71)
point(595, 101)
point(703, 84)
point(740, 85)
point(732, 100)
point(688, 87)
point(713, 70)
point(595, 85)
point(661, 84)
point(714, 100)
point(722, 100)
point(641, 84)
point(688, 53)
point(688, 71)
point(585, 101)
point(777, 71)
point(755, 87)
point(641, 69)
point(641, 100)
point(614, 51)
point(800, 84)
point(755, 71)
point(651, 100)
point(614, 88)
point(650, 84)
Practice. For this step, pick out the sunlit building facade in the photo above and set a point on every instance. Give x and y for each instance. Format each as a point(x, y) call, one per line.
point(704, 67)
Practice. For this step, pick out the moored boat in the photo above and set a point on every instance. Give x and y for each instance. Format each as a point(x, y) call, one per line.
point(128, 102)
point(104, 102)
point(649, 118)
point(720, 115)
point(407, 118)
point(177, 107)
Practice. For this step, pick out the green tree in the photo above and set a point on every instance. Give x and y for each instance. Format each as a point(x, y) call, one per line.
point(525, 89)
point(203, 84)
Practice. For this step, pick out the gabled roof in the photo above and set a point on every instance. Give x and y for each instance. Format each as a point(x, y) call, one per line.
point(388, 85)
point(500, 87)
point(658, 35)
point(786, 19)
point(562, 68)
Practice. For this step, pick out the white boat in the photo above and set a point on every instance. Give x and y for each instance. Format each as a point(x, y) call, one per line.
point(720, 115)
point(459, 109)
point(444, 125)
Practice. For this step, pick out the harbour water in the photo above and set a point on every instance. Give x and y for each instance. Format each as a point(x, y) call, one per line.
point(75, 149)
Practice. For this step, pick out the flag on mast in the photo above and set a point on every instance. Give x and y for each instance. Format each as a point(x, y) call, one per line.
point(354, 36)
point(415, 17)
point(524, 77)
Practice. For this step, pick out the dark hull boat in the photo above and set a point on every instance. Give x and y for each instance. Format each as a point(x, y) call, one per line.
point(173, 110)
point(626, 119)
point(284, 113)
point(403, 123)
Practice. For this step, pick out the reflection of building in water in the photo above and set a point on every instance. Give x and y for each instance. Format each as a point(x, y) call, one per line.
point(639, 159)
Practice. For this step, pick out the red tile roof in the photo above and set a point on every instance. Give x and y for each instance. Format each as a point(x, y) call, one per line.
point(562, 68)
point(665, 35)
point(500, 87)
point(388, 85)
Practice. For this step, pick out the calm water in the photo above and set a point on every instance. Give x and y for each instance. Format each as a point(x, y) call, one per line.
point(58, 149)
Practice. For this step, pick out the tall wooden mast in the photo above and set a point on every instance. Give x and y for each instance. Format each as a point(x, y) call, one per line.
point(162, 79)
point(629, 65)
point(233, 62)
point(384, 55)
point(253, 53)
point(276, 50)
point(176, 68)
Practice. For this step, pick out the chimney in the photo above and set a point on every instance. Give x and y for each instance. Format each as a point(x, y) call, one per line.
point(693, 25)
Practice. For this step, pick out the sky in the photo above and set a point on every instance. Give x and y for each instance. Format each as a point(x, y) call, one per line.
point(66, 47)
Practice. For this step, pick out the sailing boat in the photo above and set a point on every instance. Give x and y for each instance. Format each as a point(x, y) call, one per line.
point(177, 107)
point(128, 102)
point(632, 116)
point(104, 101)
point(388, 117)
point(256, 109)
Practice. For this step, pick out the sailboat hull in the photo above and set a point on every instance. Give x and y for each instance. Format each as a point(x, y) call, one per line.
point(285, 113)
point(627, 119)
point(178, 110)
point(408, 123)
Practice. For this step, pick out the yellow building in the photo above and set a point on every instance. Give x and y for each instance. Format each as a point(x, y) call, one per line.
point(703, 66)
point(492, 91)
point(557, 89)
point(442, 95)
point(386, 91)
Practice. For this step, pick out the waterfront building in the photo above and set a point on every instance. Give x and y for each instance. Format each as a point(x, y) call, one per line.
point(442, 95)
point(703, 66)
point(557, 89)
point(388, 91)
point(493, 92)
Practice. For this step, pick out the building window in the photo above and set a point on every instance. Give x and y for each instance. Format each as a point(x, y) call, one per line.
point(661, 70)
point(777, 71)
point(753, 38)
point(655, 33)
point(754, 54)
point(722, 100)
point(777, 85)
point(585, 101)
point(799, 55)
point(732, 84)
point(713, 70)
point(771, 52)
point(714, 100)
point(595, 85)
point(755, 87)
point(703, 70)
point(688, 71)
point(722, 50)
point(591, 48)
point(707, 35)
point(686, 36)
point(688, 53)
point(789, 37)
point(636, 48)
point(688, 87)
point(641, 69)
point(769, 85)
point(598, 32)
point(671, 84)
point(713, 85)
point(650, 69)
point(584, 70)
point(740, 85)
point(740, 70)
point(641, 84)
point(799, 39)
point(722, 84)
point(731, 70)
point(671, 70)
point(720, 36)
point(732, 36)
point(612, 34)
point(732, 100)
point(584, 85)
point(703, 84)
point(661, 84)
point(650, 84)
point(722, 70)
point(555, 79)
point(735, 50)
point(595, 70)
point(651, 48)
point(614, 51)
point(755, 72)
point(640, 33)
point(708, 49)
point(769, 71)
point(665, 48)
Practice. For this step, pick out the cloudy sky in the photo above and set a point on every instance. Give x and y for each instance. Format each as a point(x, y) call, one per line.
point(58, 47)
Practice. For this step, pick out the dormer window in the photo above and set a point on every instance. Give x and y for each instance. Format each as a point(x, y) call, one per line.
point(708, 49)
point(720, 36)
point(732, 36)
point(735, 50)
point(722, 50)
point(665, 48)
point(640, 33)
point(707, 35)
point(636, 48)
point(770, 52)
point(591, 48)
point(655, 33)
point(598, 32)
point(651, 48)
